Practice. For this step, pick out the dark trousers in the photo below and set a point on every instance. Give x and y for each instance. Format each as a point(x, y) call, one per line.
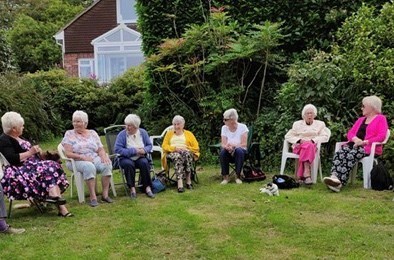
point(226, 158)
point(129, 166)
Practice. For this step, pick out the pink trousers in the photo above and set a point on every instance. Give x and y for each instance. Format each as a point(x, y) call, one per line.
point(306, 151)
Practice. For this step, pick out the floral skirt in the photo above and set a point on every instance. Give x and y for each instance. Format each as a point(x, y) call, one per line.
point(33, 179)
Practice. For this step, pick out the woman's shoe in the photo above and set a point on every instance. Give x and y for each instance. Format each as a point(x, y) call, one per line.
point(308, 180)
point(133, 195)
point(189, 186)
point(150, 194)
point(56, 200)
point(181, 189)
point(67, 215)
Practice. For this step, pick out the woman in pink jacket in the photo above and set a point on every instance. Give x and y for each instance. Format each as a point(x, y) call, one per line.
point(371, 127)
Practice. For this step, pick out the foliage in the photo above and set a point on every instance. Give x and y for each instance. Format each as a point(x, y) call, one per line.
point(159, 20)
point(16, 95)
point(360, 64)
point(211, 68)
point(104, 105)
point(31, 35)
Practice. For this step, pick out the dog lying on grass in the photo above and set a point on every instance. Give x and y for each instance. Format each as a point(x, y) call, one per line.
point(271, 189)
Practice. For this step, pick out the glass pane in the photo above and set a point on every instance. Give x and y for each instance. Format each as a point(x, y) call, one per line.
point(127, 10)
point(108, 48)
point(115, 37)
point(113, 65)
point(129, 37)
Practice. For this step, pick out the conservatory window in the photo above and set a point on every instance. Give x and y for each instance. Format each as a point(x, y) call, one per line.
point(126, 12)
point(86, 68)
point(111, 65)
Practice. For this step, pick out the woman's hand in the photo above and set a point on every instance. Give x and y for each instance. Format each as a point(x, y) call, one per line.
point(35, 149)
point(105, 159)
point(140, 152)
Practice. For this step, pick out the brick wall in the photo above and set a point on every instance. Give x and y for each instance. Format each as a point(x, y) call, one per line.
point(71, 62)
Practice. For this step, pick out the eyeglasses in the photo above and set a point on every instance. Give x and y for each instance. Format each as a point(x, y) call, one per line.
point(226, 119)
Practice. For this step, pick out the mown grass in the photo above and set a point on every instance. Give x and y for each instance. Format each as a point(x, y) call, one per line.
point(213, 222)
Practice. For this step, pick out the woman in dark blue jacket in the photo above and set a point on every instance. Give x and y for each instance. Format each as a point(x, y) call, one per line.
point(133, 145)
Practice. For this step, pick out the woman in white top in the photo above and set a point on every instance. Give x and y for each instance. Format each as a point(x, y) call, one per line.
point(234, 138)
point(304, 135)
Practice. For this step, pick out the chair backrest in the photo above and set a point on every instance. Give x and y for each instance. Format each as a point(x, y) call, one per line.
point(158, 139)
point(60, 150)
point(387, 137)
point(111, 133)
point(250, 136)
point(3, 162)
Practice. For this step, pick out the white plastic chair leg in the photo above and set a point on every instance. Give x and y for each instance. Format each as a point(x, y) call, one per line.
point(283, 165)
point(79, 182)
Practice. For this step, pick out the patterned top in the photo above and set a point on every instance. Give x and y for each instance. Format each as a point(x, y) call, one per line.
point(87, 146)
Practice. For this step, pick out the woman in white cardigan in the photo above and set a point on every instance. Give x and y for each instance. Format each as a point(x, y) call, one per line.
point(304, 136)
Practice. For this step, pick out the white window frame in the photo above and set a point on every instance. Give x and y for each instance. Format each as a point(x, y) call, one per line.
point(119, 16)
point(121, 47)
point(91, 66)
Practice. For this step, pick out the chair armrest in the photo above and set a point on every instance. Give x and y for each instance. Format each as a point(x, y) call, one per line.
point(338, 145)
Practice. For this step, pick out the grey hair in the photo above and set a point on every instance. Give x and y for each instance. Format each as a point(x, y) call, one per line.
point(133, 119)
point(309, 107)
point(10, 120)
point(178, 119)
point(375, 102)
point(81, 115)
point(231, 114)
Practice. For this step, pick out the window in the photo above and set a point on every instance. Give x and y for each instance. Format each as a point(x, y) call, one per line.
point(125, 10)
point(86, 68)
point(116, 51)
point(111, 65)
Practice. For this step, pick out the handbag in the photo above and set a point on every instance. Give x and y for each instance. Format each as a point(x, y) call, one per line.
point(159, 182)
point(252, 173)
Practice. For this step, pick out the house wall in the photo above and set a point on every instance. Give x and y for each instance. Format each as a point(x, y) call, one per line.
point(71, 62)
point(92, 23)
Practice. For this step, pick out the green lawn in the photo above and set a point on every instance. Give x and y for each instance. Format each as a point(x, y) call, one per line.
point(213, 222)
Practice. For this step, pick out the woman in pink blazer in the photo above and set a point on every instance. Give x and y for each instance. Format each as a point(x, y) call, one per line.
point(371, 127)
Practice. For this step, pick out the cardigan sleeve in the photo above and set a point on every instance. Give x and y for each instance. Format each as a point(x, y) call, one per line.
point(10, 149)
point(292, 135)
point(192, 144)
point(167, 148)
point(323, 135)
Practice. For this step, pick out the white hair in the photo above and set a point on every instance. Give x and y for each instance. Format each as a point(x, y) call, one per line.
point(178, 119)
point(133, 119)
point(307, 108)
point(79, 114)
point(230, 114)
point(374, 102)
point(10, 120)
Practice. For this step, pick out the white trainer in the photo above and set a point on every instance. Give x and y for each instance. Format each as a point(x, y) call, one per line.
point(224, 182)
point(238, 181)
point(332, 181)
point(335, 189)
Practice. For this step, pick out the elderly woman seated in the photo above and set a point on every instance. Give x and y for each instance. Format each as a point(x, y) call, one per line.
point(28, 176)
point(133, 144)
point(370, 127)
point(304, 136)
point(182, 148)
point(85, 147)
point(234, 138)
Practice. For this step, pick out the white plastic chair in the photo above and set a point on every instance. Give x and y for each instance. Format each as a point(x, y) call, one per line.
point(156, 141)
point(78, 176)
point(367, 161)
point(316, 165)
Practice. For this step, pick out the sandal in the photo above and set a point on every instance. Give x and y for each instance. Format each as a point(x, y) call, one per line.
point(56, 200)
point(67, 215)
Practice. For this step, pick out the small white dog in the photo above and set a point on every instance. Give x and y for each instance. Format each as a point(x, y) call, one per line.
point(271, 189)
